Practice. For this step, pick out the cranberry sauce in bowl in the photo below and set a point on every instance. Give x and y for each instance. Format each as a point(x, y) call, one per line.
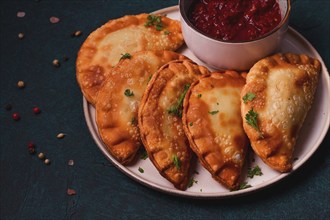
point(233, 34)
point(235, 20)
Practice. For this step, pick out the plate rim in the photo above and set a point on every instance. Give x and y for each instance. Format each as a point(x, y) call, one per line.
point(93, 131)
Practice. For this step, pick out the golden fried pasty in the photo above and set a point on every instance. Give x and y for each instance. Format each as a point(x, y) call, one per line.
point(160, 120)
point(117, 39)
point(213, 124)
point(279, 92)
point(118, 101)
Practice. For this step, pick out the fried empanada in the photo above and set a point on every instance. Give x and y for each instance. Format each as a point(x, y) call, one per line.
point(118, 101)
point(160, 121)
point(117, 39)
point(279, 92)
point(213, 124)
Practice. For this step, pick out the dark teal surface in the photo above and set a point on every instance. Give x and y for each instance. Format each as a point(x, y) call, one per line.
point(31, 190)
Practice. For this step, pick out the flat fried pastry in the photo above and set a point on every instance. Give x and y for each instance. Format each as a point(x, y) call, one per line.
point(160, 120)
point(118, 101)
point(118, 38)
point(213, 124)
point(275, 100)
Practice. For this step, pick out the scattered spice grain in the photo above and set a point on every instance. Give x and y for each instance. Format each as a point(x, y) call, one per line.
point(20, 84)
point(21, 35)
point(31, 148)
point(20, 14)
point(16, 116)
point(56, 63)
point(8, 107)
point(41, 156)
point(54, 20)
point(47, 161)
point(71, 192)
point(77, 33)
point(36, 110)
point(60, 135)
point(71, 162)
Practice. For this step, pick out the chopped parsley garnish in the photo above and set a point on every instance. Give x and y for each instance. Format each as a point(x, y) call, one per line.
point(252, 119)
point(199, 95)
point(177, 108)
point(214, 112)
point(248, 97)
point(191, 182)
point(159, 27)
point(126, 56)
point(243, 185)
point(153, 20)
point(173, 110)
point(256, 171)
point(191, 124)
point(144, 155)
point(141, 170)
point(128, 93)
point(166, 32)
point(134, 121)
point(149, 78)
point(176, 162)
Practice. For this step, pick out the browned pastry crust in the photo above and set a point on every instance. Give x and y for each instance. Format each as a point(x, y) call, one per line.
point(213, 124)
point(284, 86)
point(118, 101)
point(161, 126)
point(105, 46)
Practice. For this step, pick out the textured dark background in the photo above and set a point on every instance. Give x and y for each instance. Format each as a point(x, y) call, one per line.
point(31, 190)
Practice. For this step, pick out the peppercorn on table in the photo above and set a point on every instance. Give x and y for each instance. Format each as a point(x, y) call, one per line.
point(52, 168)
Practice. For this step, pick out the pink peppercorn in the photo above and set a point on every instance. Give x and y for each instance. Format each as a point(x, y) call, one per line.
point(36, 110)
point(16, 116)
point(31, 148)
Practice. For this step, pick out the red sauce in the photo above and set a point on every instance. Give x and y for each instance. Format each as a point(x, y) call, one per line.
point(235, 20)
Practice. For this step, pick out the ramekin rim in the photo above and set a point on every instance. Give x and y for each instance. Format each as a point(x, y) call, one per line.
point(184, 16)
